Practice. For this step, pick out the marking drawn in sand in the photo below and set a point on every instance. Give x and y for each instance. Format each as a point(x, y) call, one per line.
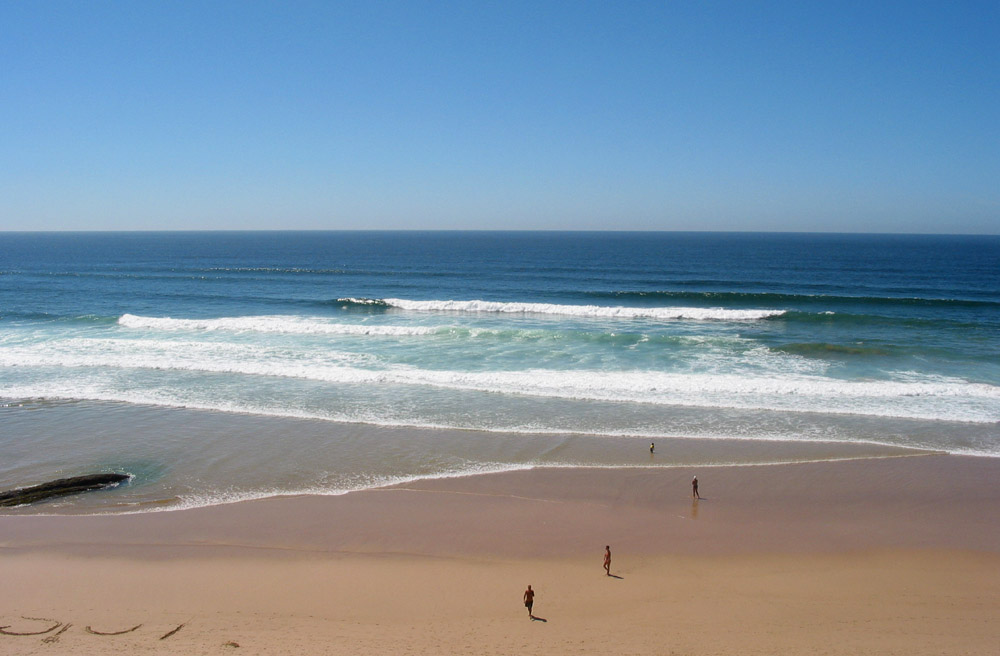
point(170, 633)
point(110, 633)
point(55, 636)
point(3, 629)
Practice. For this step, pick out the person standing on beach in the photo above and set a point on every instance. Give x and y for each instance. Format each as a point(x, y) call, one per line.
point(607, 560)
point(651, 447)
point(529, 600)
point(694, 488)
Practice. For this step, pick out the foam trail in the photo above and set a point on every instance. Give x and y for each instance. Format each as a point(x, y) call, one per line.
point(908, 396)
point(200, 500)
point(586, 311)
point(159, 399)
point(271, 324)
point(300, 325)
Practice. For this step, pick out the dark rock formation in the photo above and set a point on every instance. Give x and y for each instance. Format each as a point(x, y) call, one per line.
point(60, 488)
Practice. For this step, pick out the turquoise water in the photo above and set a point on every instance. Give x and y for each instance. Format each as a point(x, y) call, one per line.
point(505, 350)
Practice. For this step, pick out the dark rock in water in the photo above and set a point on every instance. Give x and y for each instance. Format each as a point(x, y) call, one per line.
point(60, 488)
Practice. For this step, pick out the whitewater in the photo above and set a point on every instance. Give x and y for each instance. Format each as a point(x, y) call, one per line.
point(222, 366)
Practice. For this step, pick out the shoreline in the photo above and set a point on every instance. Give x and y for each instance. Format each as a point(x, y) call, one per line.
point(888, 556)
point(871, 501)
point(192, 458)
point(416, 480)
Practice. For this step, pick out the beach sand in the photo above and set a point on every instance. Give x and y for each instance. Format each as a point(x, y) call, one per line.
point(880, 556)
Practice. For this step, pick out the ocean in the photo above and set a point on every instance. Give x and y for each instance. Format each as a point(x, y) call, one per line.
point(220, 366)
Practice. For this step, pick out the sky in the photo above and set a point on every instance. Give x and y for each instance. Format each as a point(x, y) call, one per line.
point(674, 115)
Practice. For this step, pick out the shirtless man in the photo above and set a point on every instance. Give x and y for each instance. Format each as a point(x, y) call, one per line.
point(694, 488)
point(607, 560)
point(529, 600)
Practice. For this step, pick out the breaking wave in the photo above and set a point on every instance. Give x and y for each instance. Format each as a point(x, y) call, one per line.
point(588, 311)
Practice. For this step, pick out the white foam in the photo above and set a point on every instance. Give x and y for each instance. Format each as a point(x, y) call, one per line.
point(360, 301)
point(230, 496)
point(910, 395)
point(588, 311)
point(181, 355)
point(271, 324)
point(303, 325)
point(176, 399)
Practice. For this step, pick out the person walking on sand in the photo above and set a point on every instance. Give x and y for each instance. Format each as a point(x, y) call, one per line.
point(607, 560)
point(694, 488)
point(529, 600)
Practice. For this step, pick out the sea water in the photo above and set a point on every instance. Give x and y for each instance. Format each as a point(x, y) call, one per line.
point(219, 366)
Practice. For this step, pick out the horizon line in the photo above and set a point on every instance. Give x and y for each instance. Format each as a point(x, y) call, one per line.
point(487, 230)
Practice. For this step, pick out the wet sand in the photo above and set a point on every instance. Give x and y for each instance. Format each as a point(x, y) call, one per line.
point(887, 556)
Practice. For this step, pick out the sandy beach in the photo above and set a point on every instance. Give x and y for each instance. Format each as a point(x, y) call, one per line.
point(877, 556)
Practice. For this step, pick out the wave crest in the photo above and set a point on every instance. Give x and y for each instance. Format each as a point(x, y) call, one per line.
point(587, 311)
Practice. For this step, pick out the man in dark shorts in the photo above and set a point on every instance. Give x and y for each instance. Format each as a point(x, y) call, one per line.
point(694, 488)
point(529, 600)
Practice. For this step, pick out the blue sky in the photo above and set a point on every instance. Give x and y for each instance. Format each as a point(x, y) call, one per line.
point(839, 116)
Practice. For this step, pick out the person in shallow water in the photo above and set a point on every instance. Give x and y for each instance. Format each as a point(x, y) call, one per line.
point(651, 447)
point(694, 488)
point(529, 600)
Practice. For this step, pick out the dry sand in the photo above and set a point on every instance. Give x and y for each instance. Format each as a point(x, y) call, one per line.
point(892, 556)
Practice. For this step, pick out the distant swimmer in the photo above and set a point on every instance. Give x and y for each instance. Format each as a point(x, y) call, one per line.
point(607, 559)
point(529, 600)
point(694, 488)
point(651, 447)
